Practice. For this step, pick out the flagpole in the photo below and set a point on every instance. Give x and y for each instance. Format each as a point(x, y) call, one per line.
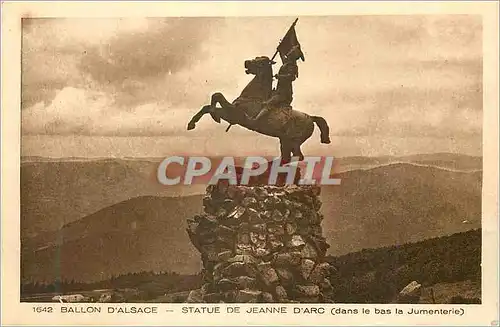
point(293, 24)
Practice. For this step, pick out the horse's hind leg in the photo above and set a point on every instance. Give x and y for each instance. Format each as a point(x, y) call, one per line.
point(285, 149)
point(219, 98)
point(192, 123)
point(297, 152)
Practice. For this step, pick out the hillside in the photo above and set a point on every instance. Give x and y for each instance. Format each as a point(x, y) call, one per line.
point(397, 204)
point(57, 193)
point(141, 233)
point(376, 275)
point(447, 267)
point(390, 205)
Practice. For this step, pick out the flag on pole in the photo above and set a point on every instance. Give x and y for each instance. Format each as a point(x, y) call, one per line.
point(289, 41)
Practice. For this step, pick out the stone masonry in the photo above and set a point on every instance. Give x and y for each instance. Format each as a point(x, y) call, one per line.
point(261, 244)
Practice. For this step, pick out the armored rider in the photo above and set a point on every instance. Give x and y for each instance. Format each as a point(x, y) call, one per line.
point(282, 96)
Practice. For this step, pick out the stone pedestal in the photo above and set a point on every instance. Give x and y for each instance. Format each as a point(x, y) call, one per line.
point(261, 244)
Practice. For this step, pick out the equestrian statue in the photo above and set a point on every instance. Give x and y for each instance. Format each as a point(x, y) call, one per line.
point(268, 111)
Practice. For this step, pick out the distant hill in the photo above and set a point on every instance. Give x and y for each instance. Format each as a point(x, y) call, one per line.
point(56, 193)
point(134, 235)
point(399, 203)
point(389, 205)
point(451, 161)
point(447, 160)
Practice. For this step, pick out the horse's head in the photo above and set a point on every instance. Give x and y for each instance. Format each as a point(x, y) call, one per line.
point(259, 66)
point(260, 87)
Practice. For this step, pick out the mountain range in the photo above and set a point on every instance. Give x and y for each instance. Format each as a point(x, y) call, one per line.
point(136, 229)
point(57, 191)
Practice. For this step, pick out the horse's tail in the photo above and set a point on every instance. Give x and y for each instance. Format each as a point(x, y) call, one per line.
point(323, 127)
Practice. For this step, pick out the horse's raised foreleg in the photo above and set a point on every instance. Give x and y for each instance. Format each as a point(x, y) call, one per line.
point(192, 123)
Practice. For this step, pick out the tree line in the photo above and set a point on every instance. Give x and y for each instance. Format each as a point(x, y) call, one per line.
point(377, 275)
point(367, 276)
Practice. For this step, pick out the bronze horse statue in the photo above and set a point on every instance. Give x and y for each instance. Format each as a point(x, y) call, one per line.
point(292, 127)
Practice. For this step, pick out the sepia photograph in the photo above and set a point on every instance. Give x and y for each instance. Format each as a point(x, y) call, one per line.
point(295, 163)
point(102, 107)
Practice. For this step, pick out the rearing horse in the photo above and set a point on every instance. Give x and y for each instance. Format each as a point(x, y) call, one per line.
point(292, 127)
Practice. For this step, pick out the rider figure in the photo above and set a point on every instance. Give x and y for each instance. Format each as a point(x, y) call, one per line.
point(282, 96)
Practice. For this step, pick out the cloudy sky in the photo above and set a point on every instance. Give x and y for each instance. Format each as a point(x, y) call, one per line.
point(127, 87)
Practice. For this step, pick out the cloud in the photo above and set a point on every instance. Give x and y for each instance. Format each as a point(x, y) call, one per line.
point(168, 47)
point(85, 112)
point(406, 112)
point(130, 63)
point(124, 57)
point(380, 76)
point(52, 50)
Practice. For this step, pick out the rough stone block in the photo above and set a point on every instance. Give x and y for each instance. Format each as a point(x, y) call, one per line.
point(267, 273)
point(281, 294)
point(267, 297)
point(287, 259)
point(307, 290)
point(195, 296)
point(225, 255)
point(319, 272)
point(247, 296)
point(306, 266)
point(285, 275)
